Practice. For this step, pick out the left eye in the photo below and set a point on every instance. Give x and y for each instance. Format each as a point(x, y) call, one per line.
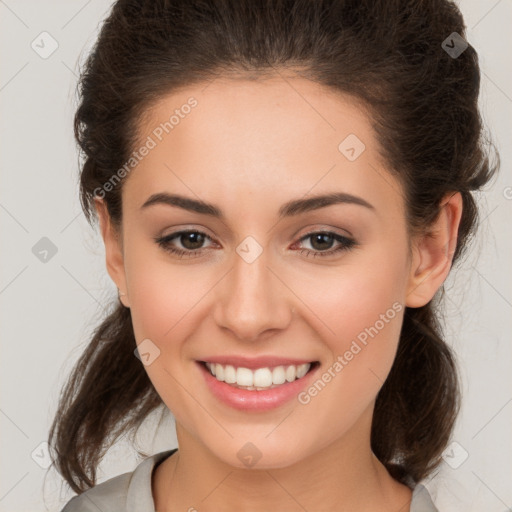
point(322, 238)
point(192, 241)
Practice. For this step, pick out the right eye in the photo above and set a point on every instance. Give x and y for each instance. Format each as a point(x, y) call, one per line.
point(191, 237)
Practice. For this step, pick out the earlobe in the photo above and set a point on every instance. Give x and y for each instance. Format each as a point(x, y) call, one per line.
point(113, 250)
point(433, 253)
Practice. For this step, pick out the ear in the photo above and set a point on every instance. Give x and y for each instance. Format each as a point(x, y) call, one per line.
point(113, 250)
point(433, 253)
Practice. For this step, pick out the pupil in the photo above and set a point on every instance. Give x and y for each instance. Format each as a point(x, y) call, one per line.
point(190, 237)
point(322, 237)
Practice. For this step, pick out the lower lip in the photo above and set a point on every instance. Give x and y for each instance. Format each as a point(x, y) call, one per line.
point(254, 400)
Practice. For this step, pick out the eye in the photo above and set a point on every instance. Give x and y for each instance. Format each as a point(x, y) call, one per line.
point(320, 239)
point(192, 241)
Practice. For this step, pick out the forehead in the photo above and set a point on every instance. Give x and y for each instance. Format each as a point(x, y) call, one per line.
point(270, 114)
point(279, 139)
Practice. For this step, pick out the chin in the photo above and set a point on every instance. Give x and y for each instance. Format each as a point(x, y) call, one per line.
point(260, 453)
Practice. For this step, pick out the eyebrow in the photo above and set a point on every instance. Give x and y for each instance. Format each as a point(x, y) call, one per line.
point(289, 209)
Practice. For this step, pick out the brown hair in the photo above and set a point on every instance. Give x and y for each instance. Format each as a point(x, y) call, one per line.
point(386, 53)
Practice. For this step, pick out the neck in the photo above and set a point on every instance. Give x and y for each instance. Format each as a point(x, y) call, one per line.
point(343, 476)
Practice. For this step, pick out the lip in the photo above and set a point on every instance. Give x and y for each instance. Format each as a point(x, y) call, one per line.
point(253, 400)
point(255, 362)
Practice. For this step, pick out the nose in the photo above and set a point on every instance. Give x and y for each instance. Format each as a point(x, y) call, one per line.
point(253, 302)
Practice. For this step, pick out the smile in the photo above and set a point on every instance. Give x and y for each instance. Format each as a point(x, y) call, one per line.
point(258, 379)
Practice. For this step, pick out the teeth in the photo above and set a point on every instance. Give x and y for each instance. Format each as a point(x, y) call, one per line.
point(244, 376)
point(261, 378)
point(229, 374)
point(219, 372)
point(302, 370)
point(278, 375)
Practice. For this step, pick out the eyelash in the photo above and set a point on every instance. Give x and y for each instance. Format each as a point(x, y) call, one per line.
point(346, 244)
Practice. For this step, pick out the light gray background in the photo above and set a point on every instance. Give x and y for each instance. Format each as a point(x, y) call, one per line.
point(48, 310)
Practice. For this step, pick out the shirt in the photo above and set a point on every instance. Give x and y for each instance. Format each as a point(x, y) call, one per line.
point(131, 492)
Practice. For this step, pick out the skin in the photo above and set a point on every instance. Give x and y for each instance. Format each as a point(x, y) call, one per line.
point(248, 147)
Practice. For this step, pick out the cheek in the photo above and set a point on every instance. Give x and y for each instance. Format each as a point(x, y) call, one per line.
point(358, 308)
point(161, 291)
point(165, 300)
point(164, 297)
point(363, 311)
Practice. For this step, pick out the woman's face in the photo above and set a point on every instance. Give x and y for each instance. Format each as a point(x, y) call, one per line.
point(256, 281)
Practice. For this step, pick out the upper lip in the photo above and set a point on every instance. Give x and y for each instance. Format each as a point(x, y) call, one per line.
point(255, 362)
